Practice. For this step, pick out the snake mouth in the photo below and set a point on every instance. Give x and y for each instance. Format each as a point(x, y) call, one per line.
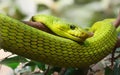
point(76, 37)
point(80, 36)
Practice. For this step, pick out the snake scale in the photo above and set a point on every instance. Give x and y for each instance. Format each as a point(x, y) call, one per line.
point(38, 45)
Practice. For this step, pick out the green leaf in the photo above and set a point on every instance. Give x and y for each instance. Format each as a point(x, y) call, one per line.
point(40, 65)
point(41, 7)
point(12, 65)
point(117, 67)
point(69, 71)
point(33, 64)
point(108, 71)
point(13, 62)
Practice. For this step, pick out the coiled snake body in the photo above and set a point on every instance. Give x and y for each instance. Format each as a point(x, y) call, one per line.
point(38, 45)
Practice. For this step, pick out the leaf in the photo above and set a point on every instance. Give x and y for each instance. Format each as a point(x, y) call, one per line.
point(41, 7)
point(13, 62)
point(108, 71)
point(117, 67)
point(69, 71)
point(40, 65)
point(33, 64)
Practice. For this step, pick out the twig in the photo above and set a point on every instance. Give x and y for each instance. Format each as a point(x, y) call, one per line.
point(112, 57)
point(38, 25)
point(62, 72)
point(46, 72)
point(117, 22)
point(118, 42)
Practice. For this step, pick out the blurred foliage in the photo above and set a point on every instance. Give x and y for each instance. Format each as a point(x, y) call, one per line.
point(20, 16)
point(100, 16)
point(84, 1)
point(81, 12)
point(13, 62)
point(41, 7)
point(33, 64)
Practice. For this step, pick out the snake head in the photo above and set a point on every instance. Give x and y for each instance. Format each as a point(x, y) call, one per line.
point(62, 28)
point(71, 31)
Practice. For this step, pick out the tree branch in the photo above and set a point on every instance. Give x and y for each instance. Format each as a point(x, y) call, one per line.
point(117, 21)
point(62, 72)
point(38, 25)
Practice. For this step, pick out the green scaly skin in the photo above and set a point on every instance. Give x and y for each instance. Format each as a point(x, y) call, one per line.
point(38, 45)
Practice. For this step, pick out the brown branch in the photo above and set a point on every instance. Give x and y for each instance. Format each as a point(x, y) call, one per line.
point(117, 21)
point(38, 25)
point(118, 42)
point(46, 72)
point(112, 57)
point(62, 72)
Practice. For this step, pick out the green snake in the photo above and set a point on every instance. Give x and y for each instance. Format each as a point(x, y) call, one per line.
point(70, 47)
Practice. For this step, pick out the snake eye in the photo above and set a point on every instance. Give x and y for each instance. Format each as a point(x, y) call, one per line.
point(72, 27)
